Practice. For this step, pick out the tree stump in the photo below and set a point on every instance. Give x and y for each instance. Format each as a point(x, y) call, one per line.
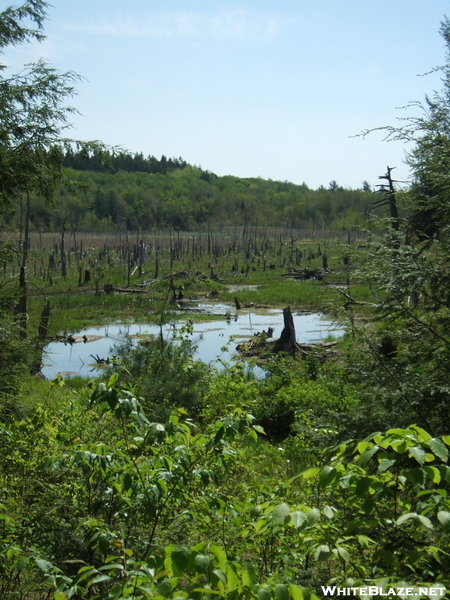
point(287, 342)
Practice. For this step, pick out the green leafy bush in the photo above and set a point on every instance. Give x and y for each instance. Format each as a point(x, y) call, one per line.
point(164, 373)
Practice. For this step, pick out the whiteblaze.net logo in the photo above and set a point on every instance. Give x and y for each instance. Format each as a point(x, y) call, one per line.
point(373, 590)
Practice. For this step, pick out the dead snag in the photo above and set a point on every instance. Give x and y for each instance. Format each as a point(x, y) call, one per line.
point(287, 342)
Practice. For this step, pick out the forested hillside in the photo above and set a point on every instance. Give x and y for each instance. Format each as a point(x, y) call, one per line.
point(124, 191)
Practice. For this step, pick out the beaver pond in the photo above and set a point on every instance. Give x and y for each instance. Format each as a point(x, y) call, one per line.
point(83, 352)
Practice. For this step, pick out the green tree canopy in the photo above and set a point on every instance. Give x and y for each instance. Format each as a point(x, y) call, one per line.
point(33, 110)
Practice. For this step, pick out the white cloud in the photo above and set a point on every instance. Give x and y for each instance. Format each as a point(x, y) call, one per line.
point(238, 24)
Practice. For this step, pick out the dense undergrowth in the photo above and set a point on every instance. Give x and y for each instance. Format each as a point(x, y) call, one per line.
point(170, 479)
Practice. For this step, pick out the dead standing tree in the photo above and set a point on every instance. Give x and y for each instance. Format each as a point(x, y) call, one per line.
point(389, 198)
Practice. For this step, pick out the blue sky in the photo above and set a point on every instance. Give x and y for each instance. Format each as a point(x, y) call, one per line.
point(275, 89)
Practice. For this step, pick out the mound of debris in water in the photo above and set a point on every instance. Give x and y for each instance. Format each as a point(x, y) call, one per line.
point(263, 343)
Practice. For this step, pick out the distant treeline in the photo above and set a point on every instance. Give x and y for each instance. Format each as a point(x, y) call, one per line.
point(111, 162)
point(114, 191)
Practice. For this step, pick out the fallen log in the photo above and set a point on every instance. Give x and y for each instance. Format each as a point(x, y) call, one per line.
point(109, 288)
point(146, 283)
point(178, 275)
point(303, 274)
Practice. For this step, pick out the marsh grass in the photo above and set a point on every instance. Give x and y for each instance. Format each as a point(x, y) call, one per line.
point(192, 266)
point(56, 393)
point(308, 295)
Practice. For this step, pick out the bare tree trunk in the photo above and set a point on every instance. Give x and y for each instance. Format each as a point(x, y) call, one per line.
point(287, 342)
point(389, 198)
point(63, 257)
point(23, 300)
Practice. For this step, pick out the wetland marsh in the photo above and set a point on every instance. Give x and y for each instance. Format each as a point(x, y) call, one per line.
point(215, 340)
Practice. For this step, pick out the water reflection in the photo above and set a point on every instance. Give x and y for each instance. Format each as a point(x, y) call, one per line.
point(210, 337)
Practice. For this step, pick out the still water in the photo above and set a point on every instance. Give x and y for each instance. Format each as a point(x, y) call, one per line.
point(210, 338)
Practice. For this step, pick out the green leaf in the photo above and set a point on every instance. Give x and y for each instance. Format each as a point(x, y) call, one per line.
point(219, 575)
point(322, 552)
point(423, 435)
point(201, 563)
point(252, 433)
point(280, 512)
point(385, 464)
point(299, 518)
point(207, 591)
point(433, 473)
point(406, 517)
point(84, 573)
point(417, 453)
point(313, 516)
point(164, 588)
point(326, 476)
point(308, 595)
point(397, 431)
point(103, 543)
point(311, 472)
point(45, 566)
point(249, 576)
point(296, 592)
point(99, 579)
point(362, 446)
point(127, 481)
point(180, 558)
point(367, 455)
point(445, 472)
point(426, 522)
point(281, 592)
point(219, 434)
point(264, 593)
point(111, 565)
point(113, 380)
point(416, 476)
point(219, 553)
point(328, 512)
point(363, 485)
point(363, 540)
point(112, 398)
point(343, 553)
point(444, 519)
point(439, 448)
point(399, 446)
point(260, 525)
point(234, 582)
